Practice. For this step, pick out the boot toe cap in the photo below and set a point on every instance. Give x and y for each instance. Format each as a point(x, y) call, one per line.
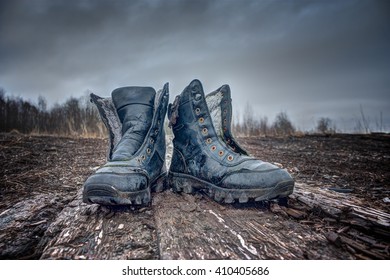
point(116, 189)
point(260, 178)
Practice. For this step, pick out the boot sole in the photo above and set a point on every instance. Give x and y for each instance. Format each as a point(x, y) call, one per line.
point(104, 194)
point(190, 184)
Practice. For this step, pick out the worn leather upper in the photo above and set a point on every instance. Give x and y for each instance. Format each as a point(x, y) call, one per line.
point(200, 152)
point(134, 106)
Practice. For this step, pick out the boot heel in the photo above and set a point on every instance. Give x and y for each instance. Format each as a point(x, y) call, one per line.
point(179, 184)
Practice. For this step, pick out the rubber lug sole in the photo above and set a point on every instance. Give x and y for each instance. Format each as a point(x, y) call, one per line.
point(190, 184)
point(104, 194)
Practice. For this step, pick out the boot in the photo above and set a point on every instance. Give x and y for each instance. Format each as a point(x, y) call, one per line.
point(207, 157)
point(219, 103)
point(136, 158)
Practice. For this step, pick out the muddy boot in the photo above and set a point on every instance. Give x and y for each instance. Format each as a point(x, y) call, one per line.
point(206, 156)
point(136, 158)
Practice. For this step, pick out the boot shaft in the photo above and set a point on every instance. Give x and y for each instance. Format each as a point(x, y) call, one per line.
point(195, 115)
point(198, 148)
point(190, 121)
point(130, 113)
point(132, 104)
point(135, 108)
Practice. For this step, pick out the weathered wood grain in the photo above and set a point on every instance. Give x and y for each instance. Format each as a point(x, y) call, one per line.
point(361, 230)
point(84, 231)
point(22, 225)
point(182, 226)
point(195, 227)
point(345, 208)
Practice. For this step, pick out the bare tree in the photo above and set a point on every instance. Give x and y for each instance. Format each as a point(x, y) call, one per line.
point(263, 125)
point(283, 125)
point(42, 104)
point(249, 120)
point(365, 121)
point(379, 123)
point(325, 126)
point(2, 109)
point(237, 123)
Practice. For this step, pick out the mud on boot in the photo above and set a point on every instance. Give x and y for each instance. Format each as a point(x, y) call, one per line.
point(134, 117)
point(207, 157)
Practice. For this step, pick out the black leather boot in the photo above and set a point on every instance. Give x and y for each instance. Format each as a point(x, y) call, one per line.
point(206, 156)
point(136, 159)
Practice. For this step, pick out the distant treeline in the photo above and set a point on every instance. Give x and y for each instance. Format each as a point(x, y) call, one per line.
point(252, 126)
point(76, 117)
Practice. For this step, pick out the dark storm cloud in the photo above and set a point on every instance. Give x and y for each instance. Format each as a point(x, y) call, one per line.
point(309, 58)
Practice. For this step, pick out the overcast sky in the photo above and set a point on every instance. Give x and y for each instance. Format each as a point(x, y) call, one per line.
point(309, 59)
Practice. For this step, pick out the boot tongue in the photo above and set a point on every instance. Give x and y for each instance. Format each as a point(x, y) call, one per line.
point(213, 101)
point(134, 106)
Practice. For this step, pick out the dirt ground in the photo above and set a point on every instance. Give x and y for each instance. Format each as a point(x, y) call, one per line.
point(57, 168)
point(358, 164)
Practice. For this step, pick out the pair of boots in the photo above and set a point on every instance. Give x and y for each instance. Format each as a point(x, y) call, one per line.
point(205, 154)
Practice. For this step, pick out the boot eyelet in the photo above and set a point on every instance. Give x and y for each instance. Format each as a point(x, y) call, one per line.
point(198, 96)
point(151, 140)
point(225, 121)
point(204, 131)
point(225, 111)
point(201, 120)
point(213, 148)
point(143, 157)
point(156, 131)
point(220, 153)
point(209, 140)
point(148, 151)
point(197, 111)
point(230, 158)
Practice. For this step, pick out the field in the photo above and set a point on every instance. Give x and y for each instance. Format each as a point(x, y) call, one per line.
point(339, 210)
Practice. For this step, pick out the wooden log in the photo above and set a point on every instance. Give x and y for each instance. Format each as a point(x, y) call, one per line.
point(22, 226)
point(196, 227)
point(181, 226)
point(345, 208)
point(84, 231)
point(178, 226)
point(364, 232)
